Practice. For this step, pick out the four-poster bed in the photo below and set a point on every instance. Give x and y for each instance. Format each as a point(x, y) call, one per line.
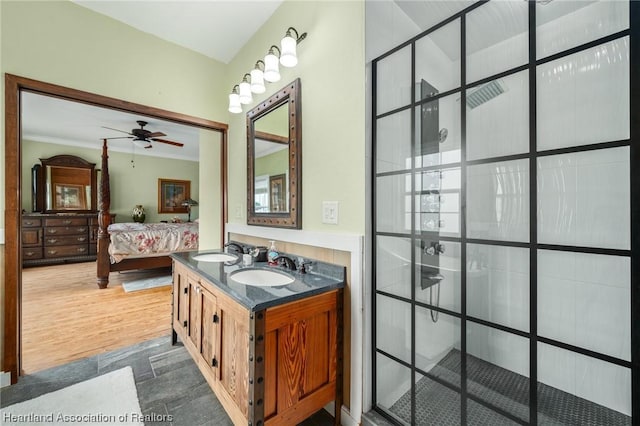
point(124, 247)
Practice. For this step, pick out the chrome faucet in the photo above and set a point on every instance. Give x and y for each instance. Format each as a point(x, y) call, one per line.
point(238, 248)
point(286, 261)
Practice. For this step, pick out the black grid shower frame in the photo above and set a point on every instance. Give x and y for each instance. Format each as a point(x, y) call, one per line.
point(634, 34)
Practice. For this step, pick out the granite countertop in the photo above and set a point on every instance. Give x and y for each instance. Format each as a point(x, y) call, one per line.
point(323, 277)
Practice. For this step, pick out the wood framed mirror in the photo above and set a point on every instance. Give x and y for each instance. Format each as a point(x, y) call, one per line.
point(65, 183)
point(274, 160)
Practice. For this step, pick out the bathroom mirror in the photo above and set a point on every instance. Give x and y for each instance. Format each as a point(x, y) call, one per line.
point(274, 136)
point(64, 183)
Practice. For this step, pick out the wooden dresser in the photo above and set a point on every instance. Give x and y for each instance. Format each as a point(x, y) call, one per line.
point(53, 238)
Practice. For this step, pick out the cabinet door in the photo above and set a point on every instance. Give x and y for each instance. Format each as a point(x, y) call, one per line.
point(203, 322)
point(180, 301)
point(210, 321)
point(234, 353)
point(194, 333)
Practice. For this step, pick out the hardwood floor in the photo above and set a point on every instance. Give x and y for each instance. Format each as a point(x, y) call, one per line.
point(66, 317)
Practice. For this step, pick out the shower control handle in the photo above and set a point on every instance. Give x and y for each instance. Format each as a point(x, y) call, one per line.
point(434, 248)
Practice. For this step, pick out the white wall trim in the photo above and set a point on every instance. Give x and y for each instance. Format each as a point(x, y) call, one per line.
point(1, 235)
point(354, 244)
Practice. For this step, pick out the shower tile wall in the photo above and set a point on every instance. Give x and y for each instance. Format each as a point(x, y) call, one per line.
point(583, 201)
point(583, 300)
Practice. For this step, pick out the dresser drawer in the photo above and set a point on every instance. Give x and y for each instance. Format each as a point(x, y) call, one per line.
point(29, 222)
point(66, 251)
point(65, 240)
point(31, 237)
point(32, 253)
point(66, 230)
point(65, 221)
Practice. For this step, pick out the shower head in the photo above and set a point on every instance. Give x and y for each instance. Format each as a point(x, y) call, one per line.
point(485, 93)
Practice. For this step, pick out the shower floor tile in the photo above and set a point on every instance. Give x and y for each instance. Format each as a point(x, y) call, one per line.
point(438, 405)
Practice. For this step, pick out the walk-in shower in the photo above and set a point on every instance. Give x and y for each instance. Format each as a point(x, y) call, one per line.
point(506, 289)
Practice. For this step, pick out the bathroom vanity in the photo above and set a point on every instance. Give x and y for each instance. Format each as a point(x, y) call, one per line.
point(272, 354)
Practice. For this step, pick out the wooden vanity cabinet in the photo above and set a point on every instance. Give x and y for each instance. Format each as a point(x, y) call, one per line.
point(272, 367)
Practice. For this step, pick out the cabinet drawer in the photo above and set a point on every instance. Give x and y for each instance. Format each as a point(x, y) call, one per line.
point(66, 230)
point(31, 237)
point(66, 251)
point(31, 253)
point(29, 222)
point(65, 221)
point(65, 240)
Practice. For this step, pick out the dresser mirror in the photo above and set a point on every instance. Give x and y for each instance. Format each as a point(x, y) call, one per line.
point(64, 183)
point(274, 136)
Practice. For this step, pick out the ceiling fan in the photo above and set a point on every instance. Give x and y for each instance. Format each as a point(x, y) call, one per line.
point(143, 137)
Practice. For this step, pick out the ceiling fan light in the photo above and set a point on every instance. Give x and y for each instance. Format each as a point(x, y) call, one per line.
point(257, 81)
point(288, 57)
point(141, 143)
point(271, 68)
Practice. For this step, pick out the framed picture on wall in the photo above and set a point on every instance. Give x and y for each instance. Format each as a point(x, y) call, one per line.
point(277, 193)
point(69, 197)
point(171, 194)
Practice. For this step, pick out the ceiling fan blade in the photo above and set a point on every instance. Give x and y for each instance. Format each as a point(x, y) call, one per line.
point(167, 142)
point(155, 134)
point(111, 128)
point(120, 137)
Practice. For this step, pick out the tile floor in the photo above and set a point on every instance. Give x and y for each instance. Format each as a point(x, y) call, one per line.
point(167, 380)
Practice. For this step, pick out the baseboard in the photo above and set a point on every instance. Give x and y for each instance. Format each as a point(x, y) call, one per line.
point(346, 419)
point(5, 379)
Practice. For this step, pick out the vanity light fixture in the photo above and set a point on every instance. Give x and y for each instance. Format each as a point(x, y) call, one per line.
point(245, 90)
point(271, 67)
point(288, 56)
point(266, 70)
point(234, 101)
point(257, 78)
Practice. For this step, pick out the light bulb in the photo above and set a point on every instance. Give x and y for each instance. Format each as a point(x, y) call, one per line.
point(245, 91)
point(257, 81)
point(288, 57)
point(271, 68)
point(234, 103)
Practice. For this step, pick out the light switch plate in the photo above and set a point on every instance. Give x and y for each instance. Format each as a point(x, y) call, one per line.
point(330, 212)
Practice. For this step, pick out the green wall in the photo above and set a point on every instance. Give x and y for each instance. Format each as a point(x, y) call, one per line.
point(129, 185)
point(273, 164)
point(331, 68)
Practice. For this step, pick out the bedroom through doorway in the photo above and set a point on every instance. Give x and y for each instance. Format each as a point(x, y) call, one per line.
point(60, 308)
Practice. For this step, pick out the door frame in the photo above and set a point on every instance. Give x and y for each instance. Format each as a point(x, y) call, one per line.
point(14, 85)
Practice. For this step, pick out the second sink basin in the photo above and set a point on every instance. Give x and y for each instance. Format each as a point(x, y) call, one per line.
point(261, 277)
point(215, 257)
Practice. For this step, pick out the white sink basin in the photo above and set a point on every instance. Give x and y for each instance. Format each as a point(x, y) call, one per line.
point(261, 277)
point(215, 257)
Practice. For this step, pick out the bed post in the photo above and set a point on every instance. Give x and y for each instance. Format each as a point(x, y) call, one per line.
point(104, 219)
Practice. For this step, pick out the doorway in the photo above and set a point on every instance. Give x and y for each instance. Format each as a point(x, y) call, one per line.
point(14, 86)
point(505, 279)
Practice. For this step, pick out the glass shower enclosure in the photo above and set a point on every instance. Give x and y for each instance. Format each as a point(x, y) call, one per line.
point(506, 287)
